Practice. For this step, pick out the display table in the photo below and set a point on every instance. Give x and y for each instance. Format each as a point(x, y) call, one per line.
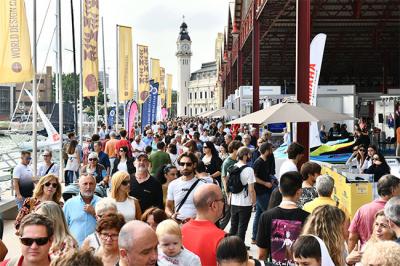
point(351, 194)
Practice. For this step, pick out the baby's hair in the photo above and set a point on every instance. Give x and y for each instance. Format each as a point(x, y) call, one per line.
point(168, 227)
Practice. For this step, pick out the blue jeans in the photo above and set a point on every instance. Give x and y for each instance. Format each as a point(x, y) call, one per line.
point(261, 205)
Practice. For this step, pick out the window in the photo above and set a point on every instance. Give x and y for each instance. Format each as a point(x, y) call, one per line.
point(201, 95)
point(185, 110)
point(195, 95)
point(205, 94)
point(212, 94)
point(190, 95)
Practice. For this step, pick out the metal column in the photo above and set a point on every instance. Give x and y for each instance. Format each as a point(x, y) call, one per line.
point(256, 61)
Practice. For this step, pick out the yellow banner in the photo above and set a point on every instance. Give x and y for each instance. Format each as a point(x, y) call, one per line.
point(143, 72)
point(15, 46)
point(125, 64)
point(169, 90)
point(90, 65)
point(161, 88)
point(155, 70)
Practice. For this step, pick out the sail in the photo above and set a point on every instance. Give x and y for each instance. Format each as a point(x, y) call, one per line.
point(316, 54)
point(54, 137)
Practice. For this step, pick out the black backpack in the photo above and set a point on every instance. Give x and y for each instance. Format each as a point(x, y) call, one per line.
point(234, 183)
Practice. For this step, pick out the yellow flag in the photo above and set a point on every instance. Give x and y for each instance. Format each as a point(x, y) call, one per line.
point(15, 46)
point(169, 90)
point(143, 72)
point(125, 64)
point(90, 65)
point(155, 70)
point(161, 88)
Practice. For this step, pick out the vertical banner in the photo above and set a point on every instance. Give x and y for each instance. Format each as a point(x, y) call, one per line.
point(317, 47)
point(15, 46)
point(169, 91)
point(146, 114)
point(162, 91)
point(90, 32)
point(153, 100)
point(143, 72)
point(155, 70)
point(111, 117)
point(125, 63)
point(131, 119)
point(127, 109)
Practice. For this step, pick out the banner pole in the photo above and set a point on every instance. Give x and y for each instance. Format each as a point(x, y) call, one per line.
point(34, 92)
point(117, 103)
point(81, 81)
point(104, 78)
point(60, 95)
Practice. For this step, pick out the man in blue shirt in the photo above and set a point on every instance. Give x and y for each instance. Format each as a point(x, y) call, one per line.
point(79, 211)
point(103, 157)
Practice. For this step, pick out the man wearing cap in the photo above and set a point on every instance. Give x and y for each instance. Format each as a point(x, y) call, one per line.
point(47, 166)
point(23, 179)
point(144, 187)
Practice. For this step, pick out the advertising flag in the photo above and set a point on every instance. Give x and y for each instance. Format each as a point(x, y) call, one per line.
point(111, 117)
point(162, 91)
point(15, 46)
point(125, 63)
point(90, 32)
point(155, 70)
point(169, 90)
point(127, 108)
point(131, 118)
point(316, 54)
point(153, 101)
point(143, 72)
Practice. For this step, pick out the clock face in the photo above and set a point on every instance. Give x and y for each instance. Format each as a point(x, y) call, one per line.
point(185, 48)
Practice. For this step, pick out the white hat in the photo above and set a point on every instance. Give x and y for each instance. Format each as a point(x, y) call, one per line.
point(93, 155)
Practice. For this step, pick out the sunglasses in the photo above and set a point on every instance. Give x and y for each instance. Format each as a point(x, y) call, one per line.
point(39, 241)
point(92, 159)
point(121, 151)
point(54, 185)
point(375, 159)
point(362, 150)
point(46, 155)
point(187, 164)
point(125, 182)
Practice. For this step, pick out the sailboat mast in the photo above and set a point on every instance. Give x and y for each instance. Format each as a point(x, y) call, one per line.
point(105, 116)
point(60, 92)
point(34, 92)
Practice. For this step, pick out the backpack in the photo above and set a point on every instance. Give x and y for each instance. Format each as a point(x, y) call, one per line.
point(234, 183)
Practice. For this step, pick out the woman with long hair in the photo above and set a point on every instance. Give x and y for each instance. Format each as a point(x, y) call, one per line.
point(358, 157)
point(63, 241)
point(73, 163)
point(191, 146)
point(173, 154)
point(379, 167)
point(165, 175)
point(108, 228)
point(120, 187)
point(47, 189)
point(329, 223)
point(212, 161)
point(123, 162)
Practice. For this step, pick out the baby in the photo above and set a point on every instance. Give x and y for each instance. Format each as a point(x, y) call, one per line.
point(170, 249)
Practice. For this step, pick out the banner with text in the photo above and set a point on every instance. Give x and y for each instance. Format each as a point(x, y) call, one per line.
point(15, 46)
point(155, 70)
point(143, 72)
point(90, 32)
point(169, 90)
point(125, 64)
point(162, 91)
point(153, 100)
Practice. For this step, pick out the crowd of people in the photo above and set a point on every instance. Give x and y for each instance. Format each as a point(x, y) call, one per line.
point(172, 189)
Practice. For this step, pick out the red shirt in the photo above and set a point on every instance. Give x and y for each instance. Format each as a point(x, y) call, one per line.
point(121, 143)
point(202, 238)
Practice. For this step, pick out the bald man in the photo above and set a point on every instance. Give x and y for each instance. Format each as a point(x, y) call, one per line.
point(137, 243)
point(79, 210)
point(200, 235)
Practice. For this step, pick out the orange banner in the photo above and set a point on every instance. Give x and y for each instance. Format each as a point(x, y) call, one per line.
point(125, 64)
point(169, 90)
point(161, 88)
point(143, 72)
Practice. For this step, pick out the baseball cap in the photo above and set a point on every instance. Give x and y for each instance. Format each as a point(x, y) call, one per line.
point(93, 155)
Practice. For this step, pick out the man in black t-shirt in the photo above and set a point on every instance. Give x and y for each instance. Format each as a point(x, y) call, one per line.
point(264, 168)
point(279, 227)
point(144, 187)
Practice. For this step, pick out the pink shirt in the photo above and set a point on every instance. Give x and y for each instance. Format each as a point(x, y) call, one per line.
point(363, 220)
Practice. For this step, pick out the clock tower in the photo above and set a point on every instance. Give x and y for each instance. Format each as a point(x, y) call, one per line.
point(183, 54)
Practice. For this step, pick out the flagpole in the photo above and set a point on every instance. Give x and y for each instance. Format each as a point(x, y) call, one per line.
point(81, 81)
point(104, 77)
point(60, 95)
point(34, 92)
point(117, 105)
point(96, 113)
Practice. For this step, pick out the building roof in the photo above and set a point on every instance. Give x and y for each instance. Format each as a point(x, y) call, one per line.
point(184, 34)
point(205, 67)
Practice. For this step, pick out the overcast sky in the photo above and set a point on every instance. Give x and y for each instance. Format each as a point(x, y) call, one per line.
point(155, 23)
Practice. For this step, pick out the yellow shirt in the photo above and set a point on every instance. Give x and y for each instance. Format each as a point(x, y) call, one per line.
point(320, 201)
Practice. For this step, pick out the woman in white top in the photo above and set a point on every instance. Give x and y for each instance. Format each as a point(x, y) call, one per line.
point(128, 206)
point(357, 159)
point(73, 163)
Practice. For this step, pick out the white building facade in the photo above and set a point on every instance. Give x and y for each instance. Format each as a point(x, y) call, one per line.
point(203, 94)
point(183, 54)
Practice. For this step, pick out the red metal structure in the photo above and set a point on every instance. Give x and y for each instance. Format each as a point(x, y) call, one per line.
point(362, 48)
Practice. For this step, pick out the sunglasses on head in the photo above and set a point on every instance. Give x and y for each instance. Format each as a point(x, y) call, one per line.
point(39, 241)
point(187, 164)
point(54, 185)
point(92, 159)
point(125, 182)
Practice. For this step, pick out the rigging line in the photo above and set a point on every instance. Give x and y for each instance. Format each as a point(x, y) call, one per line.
point(41, 74)
point(44, 20)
